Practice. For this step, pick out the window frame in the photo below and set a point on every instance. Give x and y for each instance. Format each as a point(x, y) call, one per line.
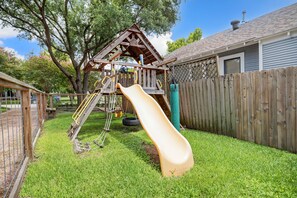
point(233, 56)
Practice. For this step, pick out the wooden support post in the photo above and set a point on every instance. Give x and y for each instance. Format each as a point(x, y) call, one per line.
point(26, 110)
point(165, 82)
point(44, 104)
point(40, 108)
point(51, 101)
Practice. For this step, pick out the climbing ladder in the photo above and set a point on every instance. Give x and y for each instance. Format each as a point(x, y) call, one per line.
point(110, 110)
point(88, 104)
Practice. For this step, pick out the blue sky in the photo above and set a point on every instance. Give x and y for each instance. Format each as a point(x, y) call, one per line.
point(210, 15)
point(213, 16)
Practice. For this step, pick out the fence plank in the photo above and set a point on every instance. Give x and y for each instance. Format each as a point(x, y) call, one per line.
point(222, 99)
point(237, 101)
point(203, 91)
point(265, 108)
point(195, 108)
point(272, 133)
point(207, 121)
point(181, 103)
point(244, 107)
point(227, 105)
point(218, 106)
point(198, 103)
point(190, 105)
point(258, 107)
point(209, 106)
point(186, 104)
point(213, 102)
point(290, 113)
point(250, 93)
point(281, 111)
point(232, 106)
point(295, 106)
point(202, 118)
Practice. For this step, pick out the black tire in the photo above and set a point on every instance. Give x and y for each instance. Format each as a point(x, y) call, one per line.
point(130, 121)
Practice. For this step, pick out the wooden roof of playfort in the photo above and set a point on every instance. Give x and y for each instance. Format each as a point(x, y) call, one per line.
point(130, 43)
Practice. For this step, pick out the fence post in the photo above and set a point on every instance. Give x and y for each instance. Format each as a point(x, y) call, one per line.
point(26, 109)
point(40, 109)
point(44, 104)
point(51, 101)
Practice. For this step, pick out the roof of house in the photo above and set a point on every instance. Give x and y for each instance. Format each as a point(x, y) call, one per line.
point(270, 24)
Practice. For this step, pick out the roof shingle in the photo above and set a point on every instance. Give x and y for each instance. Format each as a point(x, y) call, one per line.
point(275, 22)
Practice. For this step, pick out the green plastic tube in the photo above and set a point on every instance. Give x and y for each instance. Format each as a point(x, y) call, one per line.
point(174, 104)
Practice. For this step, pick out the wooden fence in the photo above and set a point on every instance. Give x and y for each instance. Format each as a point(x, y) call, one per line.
point(22, 112)
point(259, 107)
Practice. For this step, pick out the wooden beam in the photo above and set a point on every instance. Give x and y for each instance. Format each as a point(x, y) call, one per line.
point(166, 62)
point(148, 46)
point(132, 45)
point(134, 30)
point(128, 64)
point(7, 84)
point(26, 110)
point(112, 45)
point(115, 55)
point(10, 82)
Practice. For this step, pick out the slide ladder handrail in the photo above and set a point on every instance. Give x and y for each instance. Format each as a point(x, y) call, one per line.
point(82, 107)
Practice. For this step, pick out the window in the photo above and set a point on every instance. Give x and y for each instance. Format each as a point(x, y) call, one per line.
point(231, 64)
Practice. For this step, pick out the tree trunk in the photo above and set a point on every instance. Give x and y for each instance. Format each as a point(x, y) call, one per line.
point(86, 82)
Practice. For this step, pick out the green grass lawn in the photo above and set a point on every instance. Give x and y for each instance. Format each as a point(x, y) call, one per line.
point(224, 167)
point(3, 109)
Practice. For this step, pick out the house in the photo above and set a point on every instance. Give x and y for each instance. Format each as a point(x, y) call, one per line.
point(267, 42)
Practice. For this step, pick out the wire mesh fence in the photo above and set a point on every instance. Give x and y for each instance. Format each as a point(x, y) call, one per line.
point(69, 102)
point(22, 110)
point(11, 138)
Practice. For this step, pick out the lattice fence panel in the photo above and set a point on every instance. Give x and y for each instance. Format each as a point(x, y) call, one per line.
point(195, 70)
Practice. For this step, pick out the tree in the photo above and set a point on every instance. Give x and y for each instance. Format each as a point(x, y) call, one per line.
point(10, 64)
point(194, 36)
point(80, 28)
point(176, 44)
point(42, 73)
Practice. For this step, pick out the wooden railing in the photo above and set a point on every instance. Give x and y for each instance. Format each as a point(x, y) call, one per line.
point(147, 78)
point(144, 76)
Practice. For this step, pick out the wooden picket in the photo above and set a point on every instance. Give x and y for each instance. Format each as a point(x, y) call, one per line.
point(259, 106)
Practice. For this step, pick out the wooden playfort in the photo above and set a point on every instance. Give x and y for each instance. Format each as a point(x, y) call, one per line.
point(128, 59)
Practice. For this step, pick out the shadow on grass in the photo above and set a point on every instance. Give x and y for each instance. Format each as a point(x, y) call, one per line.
point(125, 135)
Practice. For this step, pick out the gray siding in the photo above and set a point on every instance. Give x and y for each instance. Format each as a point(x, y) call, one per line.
point(251, 56)
point(280, 54)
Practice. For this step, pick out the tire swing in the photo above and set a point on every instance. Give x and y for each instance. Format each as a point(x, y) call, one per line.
point(130, 121)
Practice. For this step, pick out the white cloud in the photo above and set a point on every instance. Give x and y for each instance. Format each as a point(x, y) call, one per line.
point(8, 32)
point(159, 42)
point(1, 42)
point(11, 50)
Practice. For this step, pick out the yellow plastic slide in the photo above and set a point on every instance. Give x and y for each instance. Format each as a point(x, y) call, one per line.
point(174, 150)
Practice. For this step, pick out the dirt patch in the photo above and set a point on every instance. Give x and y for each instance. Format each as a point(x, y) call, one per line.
point(152, 151)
